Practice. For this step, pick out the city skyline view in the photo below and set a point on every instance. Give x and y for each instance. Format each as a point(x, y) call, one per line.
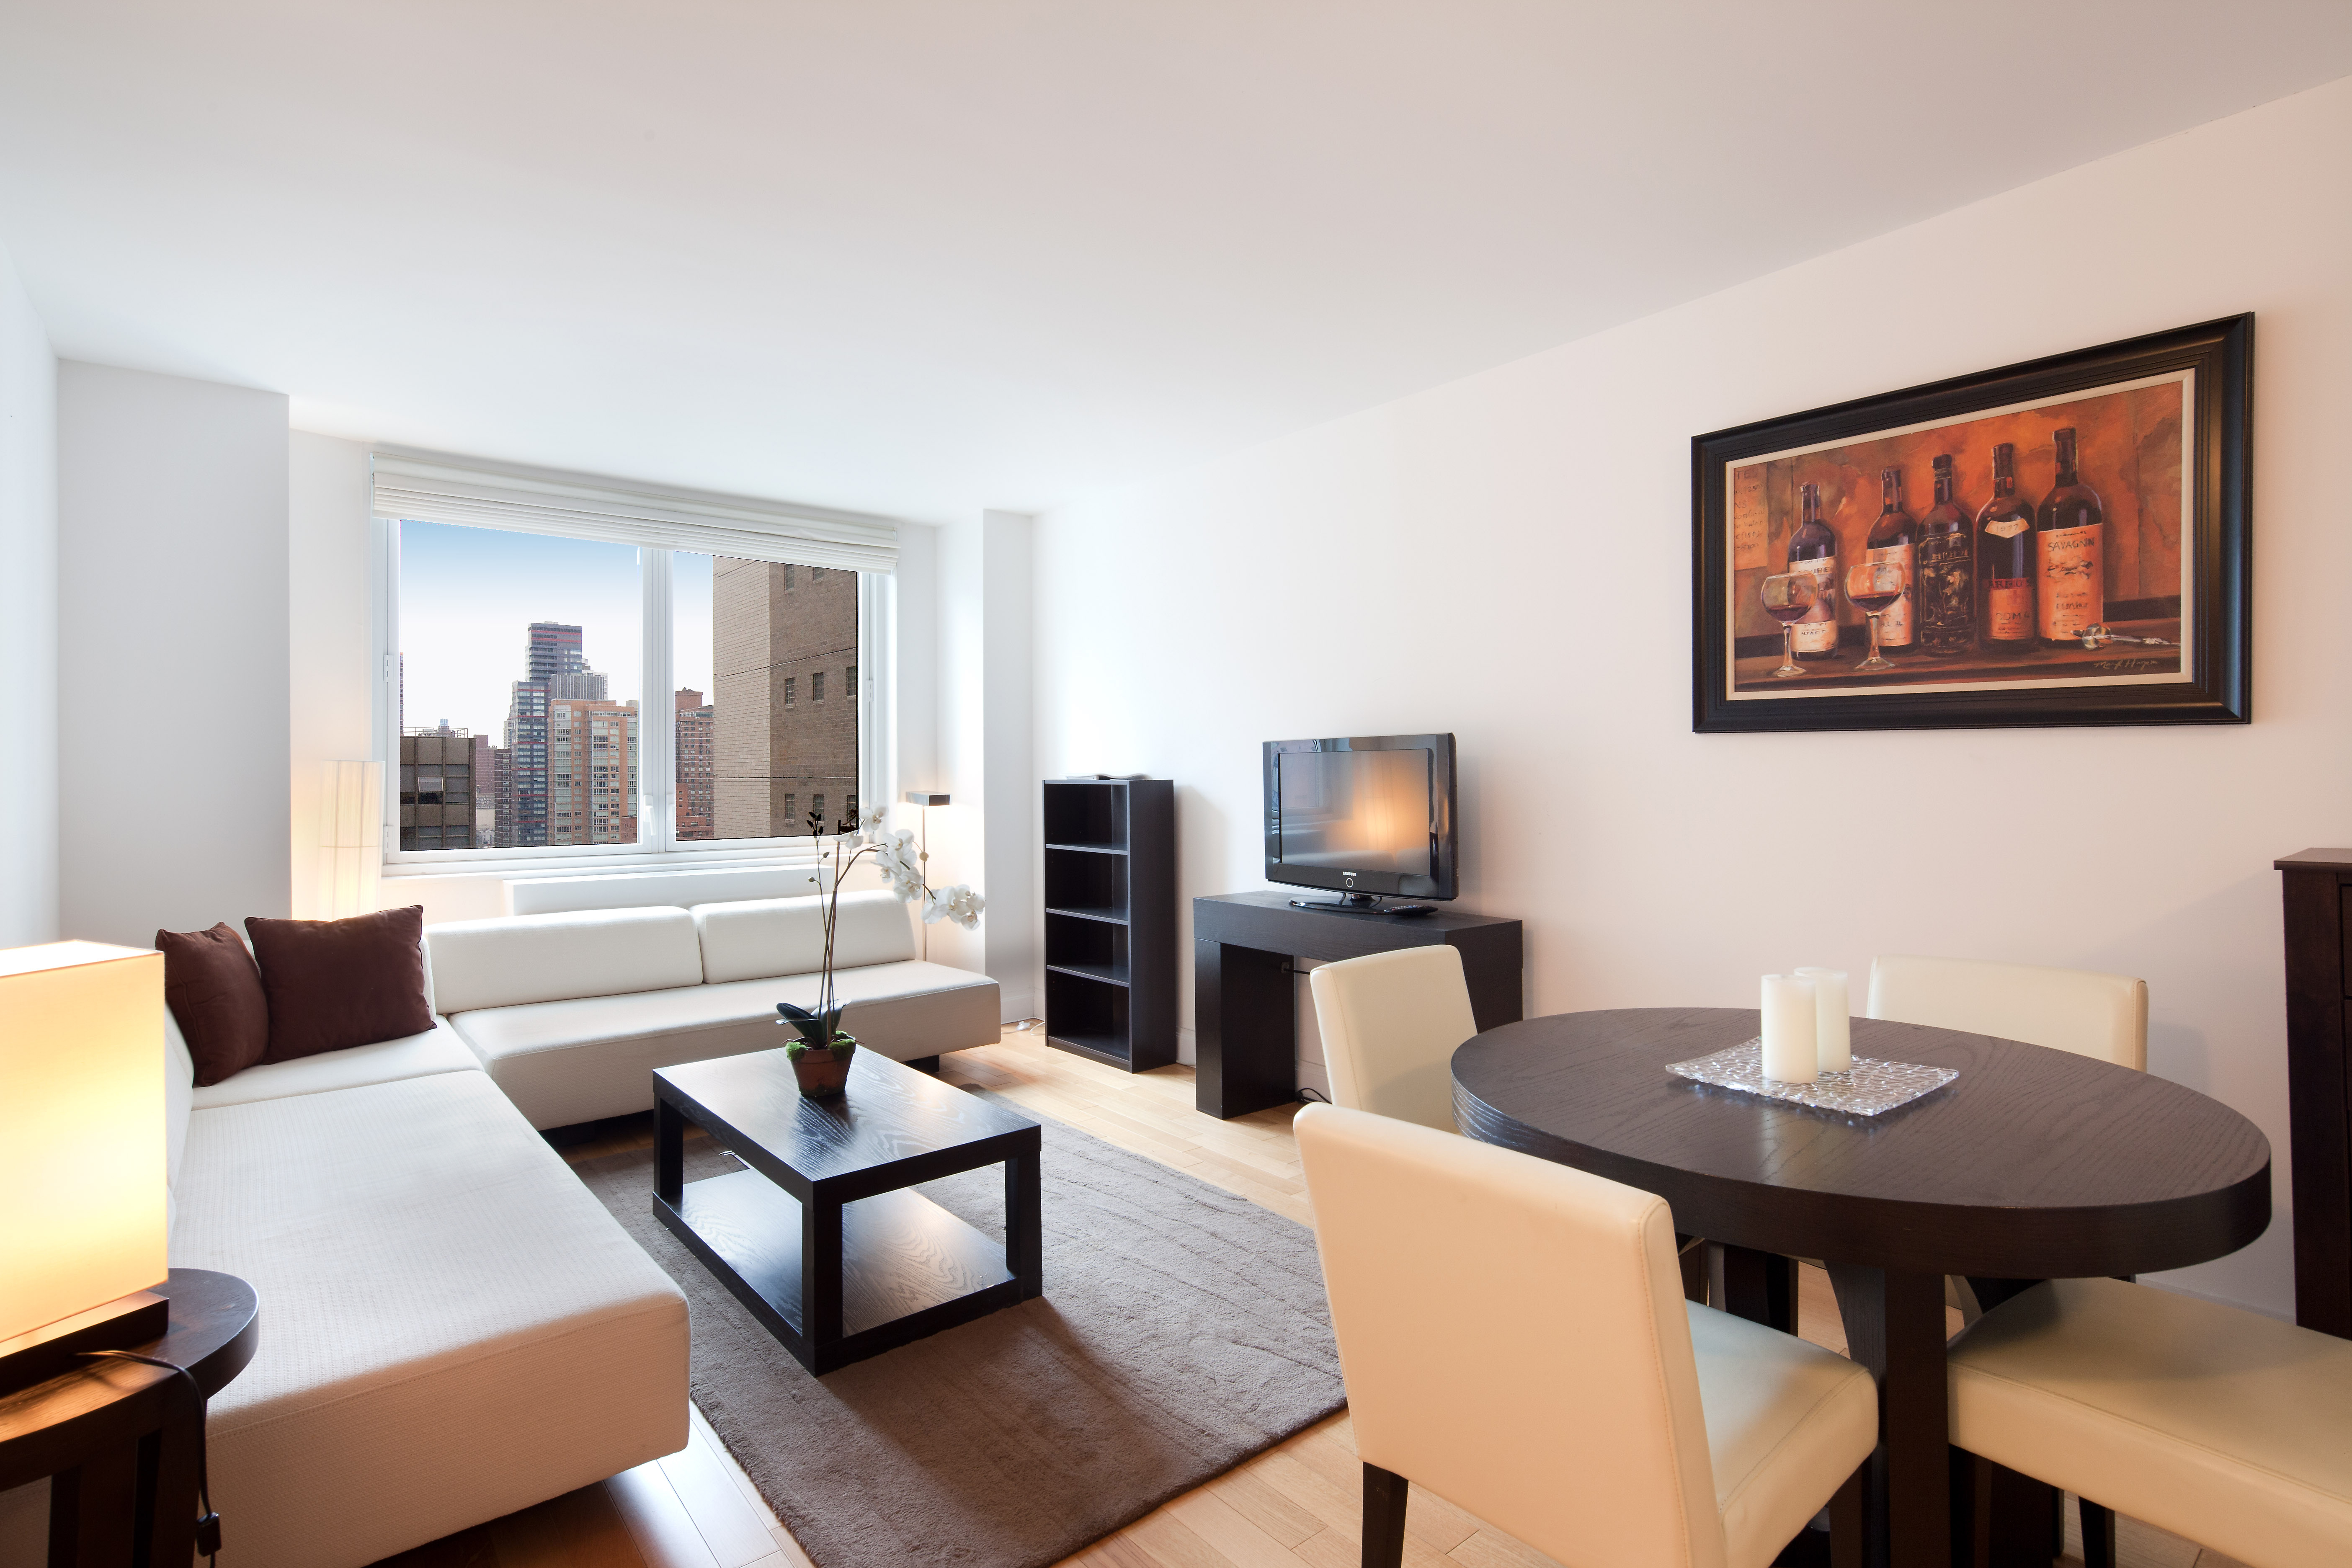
point(467, 596)
point(522, 706)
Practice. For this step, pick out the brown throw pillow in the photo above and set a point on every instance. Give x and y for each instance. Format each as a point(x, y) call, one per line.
point(337, 983)
point(214, 991)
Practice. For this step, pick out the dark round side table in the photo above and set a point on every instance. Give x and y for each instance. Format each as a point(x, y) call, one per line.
point(120, 1440)
point(2032, 1164)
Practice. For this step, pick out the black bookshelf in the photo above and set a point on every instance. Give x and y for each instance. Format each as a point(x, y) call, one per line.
point(1110, 919)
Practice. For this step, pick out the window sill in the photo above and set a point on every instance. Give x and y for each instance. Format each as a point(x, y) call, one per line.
point(614, 860)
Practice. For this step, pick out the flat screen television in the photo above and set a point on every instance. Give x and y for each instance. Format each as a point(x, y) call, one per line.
point(1366, 814)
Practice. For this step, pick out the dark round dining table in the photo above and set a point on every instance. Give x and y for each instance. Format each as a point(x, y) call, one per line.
point(2032, 1164)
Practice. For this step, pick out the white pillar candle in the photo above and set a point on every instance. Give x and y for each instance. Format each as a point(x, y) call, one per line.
point(1832, 1022)
point(1791, 1049)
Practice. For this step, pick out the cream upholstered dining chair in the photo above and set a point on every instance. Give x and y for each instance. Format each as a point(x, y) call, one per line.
point(1514, 1338)
point(1389, 1025)
point(2216, 1424)
point(2077, 1010)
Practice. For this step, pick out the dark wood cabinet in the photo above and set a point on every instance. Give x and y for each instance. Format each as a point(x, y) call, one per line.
point(1245, 1011)
point(2316, 886)
point(1110, 919)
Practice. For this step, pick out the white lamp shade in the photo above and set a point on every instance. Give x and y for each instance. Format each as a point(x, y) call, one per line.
point(82, 1129)
point(351, 838)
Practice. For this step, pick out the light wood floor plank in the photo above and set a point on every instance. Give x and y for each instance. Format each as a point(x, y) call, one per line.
point(1223, 1529)
point(658, 1521)
point(737, 1536)
point(743, 1483)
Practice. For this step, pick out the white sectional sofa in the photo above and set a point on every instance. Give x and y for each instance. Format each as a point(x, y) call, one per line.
point(452, 1327)
point(569, 1012)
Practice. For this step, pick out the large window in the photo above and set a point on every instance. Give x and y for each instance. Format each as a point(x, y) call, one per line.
point(562, 695)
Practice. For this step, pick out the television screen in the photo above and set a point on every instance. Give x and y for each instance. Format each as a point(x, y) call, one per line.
point(1356, 810)
point(1368, 815)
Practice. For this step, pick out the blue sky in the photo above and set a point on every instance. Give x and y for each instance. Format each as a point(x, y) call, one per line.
point(468, 594)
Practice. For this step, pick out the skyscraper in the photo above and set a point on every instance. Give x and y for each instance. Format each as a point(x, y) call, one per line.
point(557, 670)
point(694, 727)
point(784, 676)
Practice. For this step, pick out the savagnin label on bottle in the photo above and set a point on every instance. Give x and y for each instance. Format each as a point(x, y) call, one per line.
point(2068, 561)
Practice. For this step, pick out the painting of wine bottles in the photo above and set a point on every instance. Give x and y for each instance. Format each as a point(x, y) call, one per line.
point(2061, 542)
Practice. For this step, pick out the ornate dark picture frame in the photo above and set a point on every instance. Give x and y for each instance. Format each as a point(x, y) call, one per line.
point(2171, 409)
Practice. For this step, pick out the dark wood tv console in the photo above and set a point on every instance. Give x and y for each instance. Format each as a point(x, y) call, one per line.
point(1245, 1026)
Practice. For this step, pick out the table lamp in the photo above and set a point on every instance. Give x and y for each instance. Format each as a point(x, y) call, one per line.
point(925, 799)
point(351, 838)
point(81, 1155)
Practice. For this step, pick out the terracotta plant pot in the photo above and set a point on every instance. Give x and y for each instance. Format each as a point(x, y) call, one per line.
point(822, 1072)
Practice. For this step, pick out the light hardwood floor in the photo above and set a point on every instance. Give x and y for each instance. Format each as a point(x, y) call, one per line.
point(1295, 1506)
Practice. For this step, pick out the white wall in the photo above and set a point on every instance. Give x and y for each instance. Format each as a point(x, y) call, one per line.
point(28, 619)
point(985, 757)
point(172, 735)
point(1508, 557)
point(331, 639)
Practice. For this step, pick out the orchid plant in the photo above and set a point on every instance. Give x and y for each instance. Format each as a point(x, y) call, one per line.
point(895, 854)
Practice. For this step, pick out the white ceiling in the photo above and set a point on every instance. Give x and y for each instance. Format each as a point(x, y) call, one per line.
point(920, 257)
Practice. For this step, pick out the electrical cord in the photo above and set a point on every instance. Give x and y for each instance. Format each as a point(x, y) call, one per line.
point(208, 1526)
point(1309, 1097)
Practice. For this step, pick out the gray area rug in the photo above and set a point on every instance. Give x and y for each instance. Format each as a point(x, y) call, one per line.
point(1182, 1329)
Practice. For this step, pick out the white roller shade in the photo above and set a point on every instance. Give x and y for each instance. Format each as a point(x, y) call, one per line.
point(445, 489)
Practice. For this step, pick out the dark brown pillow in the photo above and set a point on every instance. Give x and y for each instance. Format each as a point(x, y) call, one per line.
point(214, 991)
point(332, 984)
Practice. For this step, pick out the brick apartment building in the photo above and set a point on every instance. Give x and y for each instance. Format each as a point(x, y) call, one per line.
point(591, 770)
point(784, 695)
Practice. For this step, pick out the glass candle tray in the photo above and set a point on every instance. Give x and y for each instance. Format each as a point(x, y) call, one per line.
point(1870, 1088)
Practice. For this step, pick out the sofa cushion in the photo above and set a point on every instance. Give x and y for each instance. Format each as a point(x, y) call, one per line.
point(511, 960)
point(639, 890)
point(213, 991)
point(453, 1327)
point(437, 1049)
point(333, 984)
point(764, 937)
point(571, 1061)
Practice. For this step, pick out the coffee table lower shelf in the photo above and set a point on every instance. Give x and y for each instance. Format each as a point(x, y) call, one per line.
point(909, 1268)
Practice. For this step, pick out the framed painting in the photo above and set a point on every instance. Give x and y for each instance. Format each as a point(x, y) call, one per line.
point(2057, 542)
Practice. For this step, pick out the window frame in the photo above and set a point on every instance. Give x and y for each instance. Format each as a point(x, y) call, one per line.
point(658, 846)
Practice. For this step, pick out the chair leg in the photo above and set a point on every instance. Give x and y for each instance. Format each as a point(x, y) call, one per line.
point(1691, 1255)
point(1384, 1499)
point(1845, 1521)
point(2098, 1534)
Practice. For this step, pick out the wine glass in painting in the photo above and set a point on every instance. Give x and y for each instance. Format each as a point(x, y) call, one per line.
point(1874, 586)
point(1788, 597)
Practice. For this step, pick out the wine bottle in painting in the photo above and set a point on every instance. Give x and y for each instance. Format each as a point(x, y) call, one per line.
point(1944, 590)
point(1813, 548)
point(2068, 533)
point(1893, 537)
point(2005, 560)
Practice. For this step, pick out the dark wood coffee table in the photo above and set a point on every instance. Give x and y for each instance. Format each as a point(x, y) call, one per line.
point(819, 1238)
